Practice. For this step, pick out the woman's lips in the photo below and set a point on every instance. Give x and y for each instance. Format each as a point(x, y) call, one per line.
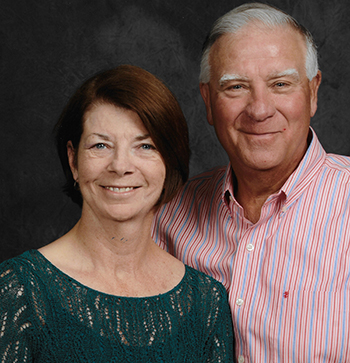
point(120, 189)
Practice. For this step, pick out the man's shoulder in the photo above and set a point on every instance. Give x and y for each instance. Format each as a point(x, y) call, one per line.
point(338, 163)
point(338, 160)
point(208, 174)
point(199, 189)
point(198, 197)
point(208, 180)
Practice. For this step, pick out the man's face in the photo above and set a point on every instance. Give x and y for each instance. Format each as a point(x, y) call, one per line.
point(259, 98)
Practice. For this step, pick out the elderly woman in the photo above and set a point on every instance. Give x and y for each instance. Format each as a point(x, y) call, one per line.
point(105, 292)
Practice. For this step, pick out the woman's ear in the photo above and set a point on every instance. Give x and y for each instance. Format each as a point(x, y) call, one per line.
point(71, 153)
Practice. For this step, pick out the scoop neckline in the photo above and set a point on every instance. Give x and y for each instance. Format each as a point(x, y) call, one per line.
point(76, 282)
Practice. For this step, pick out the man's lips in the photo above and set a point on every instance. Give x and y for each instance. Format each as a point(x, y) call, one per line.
point(261, 133)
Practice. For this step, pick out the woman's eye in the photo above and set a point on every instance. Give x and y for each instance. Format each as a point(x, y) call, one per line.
point(147, 147)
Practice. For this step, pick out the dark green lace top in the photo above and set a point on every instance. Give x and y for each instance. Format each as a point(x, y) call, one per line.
point(46, 316)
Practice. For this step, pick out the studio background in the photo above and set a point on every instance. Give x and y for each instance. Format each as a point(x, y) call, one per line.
point(48, 47)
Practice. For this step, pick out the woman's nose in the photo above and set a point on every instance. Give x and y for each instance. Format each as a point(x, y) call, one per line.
point(121, 163)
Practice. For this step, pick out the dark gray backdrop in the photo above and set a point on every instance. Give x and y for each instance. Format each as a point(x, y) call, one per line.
point(48, 47)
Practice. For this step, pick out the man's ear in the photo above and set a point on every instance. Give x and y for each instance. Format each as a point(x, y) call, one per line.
point(72, 160)
point(205, 92)
point(314, 86)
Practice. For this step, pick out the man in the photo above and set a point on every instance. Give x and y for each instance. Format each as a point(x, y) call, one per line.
point(274, 225)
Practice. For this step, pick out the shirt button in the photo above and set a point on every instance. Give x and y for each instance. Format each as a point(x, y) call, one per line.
point(250, 247)
point(284, 210)
point(240, 359)
point(239, 302)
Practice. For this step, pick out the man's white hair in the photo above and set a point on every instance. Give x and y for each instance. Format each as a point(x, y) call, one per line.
point(234, 20)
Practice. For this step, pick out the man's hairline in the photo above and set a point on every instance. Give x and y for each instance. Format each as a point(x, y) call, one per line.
point(251, 23)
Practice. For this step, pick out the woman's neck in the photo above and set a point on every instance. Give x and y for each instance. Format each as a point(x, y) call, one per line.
point(116, 258)
point(122, 243)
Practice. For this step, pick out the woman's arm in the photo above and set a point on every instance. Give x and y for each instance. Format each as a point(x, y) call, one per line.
point(221, 338)
point(16, 327)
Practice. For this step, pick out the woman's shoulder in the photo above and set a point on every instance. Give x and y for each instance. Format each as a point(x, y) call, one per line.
point(17, 281)
point(209, 297)
point(204, 283)
point(21, 273)
point(16, 267)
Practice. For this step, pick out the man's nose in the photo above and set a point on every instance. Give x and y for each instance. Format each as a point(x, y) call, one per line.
point(261, 104)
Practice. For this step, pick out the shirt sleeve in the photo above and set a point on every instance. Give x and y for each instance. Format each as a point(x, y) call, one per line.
point(16, 343)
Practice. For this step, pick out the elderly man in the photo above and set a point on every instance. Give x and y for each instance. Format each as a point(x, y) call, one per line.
point(274, 225)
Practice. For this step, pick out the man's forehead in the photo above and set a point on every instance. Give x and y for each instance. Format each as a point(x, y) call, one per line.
point(255, 32)
point(241, 55)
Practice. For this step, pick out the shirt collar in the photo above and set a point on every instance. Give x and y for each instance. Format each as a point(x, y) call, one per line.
point(297, 181)
point(307, 168)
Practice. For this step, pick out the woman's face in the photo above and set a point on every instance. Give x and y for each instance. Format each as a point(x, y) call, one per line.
point(120, 172)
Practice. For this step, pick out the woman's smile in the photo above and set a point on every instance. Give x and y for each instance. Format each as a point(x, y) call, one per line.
point(120, 189)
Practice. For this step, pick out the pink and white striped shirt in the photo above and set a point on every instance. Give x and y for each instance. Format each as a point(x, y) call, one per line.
point(288, 274)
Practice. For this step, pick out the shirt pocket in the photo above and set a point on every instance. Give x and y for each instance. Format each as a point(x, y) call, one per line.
point(316, 325)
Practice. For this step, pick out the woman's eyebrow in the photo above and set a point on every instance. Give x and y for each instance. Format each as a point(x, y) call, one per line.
point(142, 137)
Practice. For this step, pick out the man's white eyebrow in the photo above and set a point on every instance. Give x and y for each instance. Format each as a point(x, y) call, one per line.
point(231, 77)
point(236, 77)
point(288, 72)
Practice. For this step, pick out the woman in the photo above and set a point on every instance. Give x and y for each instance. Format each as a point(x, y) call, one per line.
point(105, 292)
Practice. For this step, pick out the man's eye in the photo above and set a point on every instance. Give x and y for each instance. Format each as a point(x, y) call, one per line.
point(236, 86)
point(280, 84)
point(100, 146)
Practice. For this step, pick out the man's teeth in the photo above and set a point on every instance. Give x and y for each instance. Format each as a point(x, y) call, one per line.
point(120, 190)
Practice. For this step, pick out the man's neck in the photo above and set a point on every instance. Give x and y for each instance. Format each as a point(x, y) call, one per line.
point(252, 187)
point(251, 191)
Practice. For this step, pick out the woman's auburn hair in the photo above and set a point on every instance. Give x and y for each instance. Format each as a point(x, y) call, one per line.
point(132, 88)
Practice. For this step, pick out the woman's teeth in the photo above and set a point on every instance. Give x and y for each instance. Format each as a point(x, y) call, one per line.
point(120, 190)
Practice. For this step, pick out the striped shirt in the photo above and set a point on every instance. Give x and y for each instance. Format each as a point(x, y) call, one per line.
point(288, 274)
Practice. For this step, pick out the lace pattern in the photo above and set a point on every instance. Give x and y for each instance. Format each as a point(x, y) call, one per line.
point(46, 316)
